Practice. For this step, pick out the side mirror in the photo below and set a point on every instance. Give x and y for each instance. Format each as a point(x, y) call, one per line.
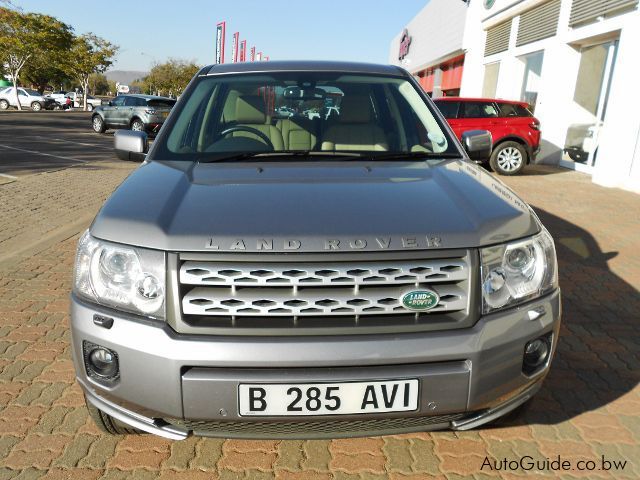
point(478, 144)
point(110, 103)
point(130, 145)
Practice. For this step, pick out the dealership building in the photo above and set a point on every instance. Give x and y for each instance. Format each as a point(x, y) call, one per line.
point(574, 61)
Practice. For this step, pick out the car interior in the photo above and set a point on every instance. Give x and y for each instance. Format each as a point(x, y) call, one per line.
point(354, 125)
point(248, 115)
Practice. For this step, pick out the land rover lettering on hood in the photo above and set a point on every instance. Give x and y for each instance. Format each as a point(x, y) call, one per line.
point(307, 251)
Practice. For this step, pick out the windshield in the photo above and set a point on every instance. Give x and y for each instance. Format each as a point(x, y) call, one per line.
point(161, 103)
point(319, 113)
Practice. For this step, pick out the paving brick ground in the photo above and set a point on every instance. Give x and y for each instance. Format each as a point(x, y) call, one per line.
point(588, 408)
point(53, 204)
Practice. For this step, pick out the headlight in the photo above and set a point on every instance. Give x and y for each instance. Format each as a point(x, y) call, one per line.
point(122, 277)
point(517, 272)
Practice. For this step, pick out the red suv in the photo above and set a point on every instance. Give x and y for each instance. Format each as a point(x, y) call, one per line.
point(515, 131)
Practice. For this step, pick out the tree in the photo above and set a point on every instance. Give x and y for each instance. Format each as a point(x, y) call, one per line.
point(90, 54)
point(25, 39)
point(42, 75)
point(98, 84)
point(170, 78)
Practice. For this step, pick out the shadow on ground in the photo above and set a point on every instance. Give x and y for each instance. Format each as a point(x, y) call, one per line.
point(535, 170)
point(598, 359)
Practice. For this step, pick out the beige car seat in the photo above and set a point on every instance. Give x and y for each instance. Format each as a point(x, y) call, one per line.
point(355, 129)
point(298, 133)
point(250, 112)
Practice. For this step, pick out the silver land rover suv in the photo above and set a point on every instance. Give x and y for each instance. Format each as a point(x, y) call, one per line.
point(142, 113)
point(279, 276)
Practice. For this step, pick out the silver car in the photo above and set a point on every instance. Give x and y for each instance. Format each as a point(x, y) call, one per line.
point(28, 98)
point(265, 277)
point(143, 113)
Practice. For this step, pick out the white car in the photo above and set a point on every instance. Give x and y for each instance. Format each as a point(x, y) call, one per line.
point(28, 99)
point(57, 96)
point(77, 100)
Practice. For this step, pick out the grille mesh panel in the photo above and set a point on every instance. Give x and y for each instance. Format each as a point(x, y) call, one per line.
point(311, 428)
point(314, 295)
point(329, 289)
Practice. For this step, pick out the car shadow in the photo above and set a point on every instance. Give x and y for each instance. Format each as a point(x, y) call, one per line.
point(535, 170)
point(597, 359)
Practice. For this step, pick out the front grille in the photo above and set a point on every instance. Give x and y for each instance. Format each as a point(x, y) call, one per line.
point(310, 429)
point(294, 294)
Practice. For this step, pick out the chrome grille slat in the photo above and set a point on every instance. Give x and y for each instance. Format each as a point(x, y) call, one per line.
point(265, 301)
point(342, 291)
point(353, 273)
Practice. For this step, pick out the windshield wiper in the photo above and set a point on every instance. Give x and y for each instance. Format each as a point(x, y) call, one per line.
point(212, 158)
point(412, 155)
point(281, 153)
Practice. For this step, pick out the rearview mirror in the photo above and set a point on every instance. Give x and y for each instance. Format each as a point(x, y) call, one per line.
point(130, 145)
point(478, 144)
point(298, 93)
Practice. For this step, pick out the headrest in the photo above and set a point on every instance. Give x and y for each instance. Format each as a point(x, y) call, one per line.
point(355, 109)
point(229, 109)
point(250, 109)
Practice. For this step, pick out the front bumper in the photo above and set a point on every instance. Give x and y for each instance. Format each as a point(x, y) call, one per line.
point(532, 153)
point(173, 385)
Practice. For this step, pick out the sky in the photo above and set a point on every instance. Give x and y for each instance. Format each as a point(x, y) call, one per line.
point(150, 32)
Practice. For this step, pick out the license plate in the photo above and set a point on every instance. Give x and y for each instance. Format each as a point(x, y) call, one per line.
point(328, 398)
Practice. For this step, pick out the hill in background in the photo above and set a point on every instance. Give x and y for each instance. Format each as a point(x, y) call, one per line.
point(125, 77)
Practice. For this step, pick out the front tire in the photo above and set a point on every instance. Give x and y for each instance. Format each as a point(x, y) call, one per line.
point(98, 124)
point(36, 106)
point(4, 105)
point(89, 107)
point(107, 424)
point(137, 125)
point(580, 157)
point(508, 158)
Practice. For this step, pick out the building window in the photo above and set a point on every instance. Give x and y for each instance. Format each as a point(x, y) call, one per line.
point(587, 11)
point(498, 38)
point(490, 85)
point(538, 23)
point(532, 77)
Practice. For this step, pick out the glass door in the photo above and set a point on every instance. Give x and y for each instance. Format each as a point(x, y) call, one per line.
point(532, 78)
point(589, 106)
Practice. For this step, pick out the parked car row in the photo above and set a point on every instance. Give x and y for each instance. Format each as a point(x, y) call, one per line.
point(67, 100)
point(28, 99)
point(76, 100)
point(515, 131)
point(143, 113)
point(31, 99)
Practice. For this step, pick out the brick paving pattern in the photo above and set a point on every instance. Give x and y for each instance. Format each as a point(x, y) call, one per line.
point(589, 406)
point(37, 206)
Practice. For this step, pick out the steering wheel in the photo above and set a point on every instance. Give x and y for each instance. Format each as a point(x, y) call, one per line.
point(242, 128)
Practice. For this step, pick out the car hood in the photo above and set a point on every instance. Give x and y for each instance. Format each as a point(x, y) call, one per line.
point(304, 206)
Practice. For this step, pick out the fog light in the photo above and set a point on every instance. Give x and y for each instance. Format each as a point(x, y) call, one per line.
point(536, 353)
point(101, 363)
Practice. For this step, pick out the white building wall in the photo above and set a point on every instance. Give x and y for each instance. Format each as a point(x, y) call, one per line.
point(436, 34)
point(618, 162)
